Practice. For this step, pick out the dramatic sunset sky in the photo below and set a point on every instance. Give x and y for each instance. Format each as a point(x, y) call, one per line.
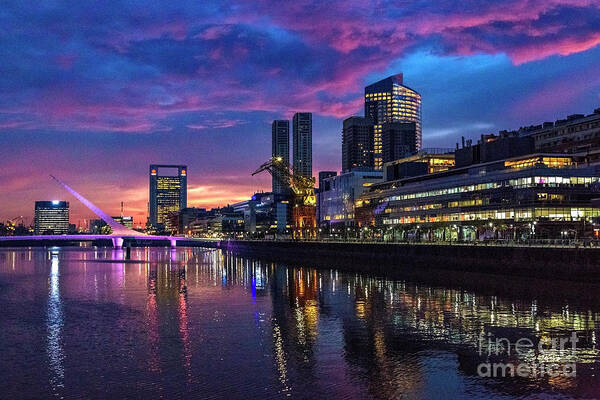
point(95, 91)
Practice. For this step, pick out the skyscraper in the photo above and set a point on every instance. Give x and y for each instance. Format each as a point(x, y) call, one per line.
point(357, 143)
point(388, 100)
point(280, 143)
point(51, 217)
point(302, 140)
point(168, 193)
point(398, 140)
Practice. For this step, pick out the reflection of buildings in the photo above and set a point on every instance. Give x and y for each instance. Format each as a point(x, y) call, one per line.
point(335, 334)
point(167, 293)
point(384, 324)
point(54, 324)
point(294, 293)
point(51, 217)
point(168, 193)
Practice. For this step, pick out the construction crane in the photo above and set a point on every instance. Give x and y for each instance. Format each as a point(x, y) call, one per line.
point(14, 220)
point(11, 224)
point(304, 220)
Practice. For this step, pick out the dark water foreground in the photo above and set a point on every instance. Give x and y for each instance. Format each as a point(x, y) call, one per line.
point(195, 323)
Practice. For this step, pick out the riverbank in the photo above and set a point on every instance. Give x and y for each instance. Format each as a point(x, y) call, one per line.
point(556, 263)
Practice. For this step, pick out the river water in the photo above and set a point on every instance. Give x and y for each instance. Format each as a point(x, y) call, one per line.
point(199, 323)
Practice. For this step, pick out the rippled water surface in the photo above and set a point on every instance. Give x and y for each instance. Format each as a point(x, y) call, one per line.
point(195, 323)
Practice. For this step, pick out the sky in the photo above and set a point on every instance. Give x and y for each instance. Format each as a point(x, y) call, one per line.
point(93, 92)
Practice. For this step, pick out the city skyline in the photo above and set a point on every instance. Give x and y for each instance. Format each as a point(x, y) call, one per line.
point(79, 111)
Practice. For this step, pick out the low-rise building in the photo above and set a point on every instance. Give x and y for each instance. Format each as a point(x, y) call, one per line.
point(336, 200)
point(426, 161)
point(532, 196)
point(126, 221)
point(575, 134)
point(264, 214)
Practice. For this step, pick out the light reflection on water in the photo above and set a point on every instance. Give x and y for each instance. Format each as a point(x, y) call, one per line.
point(196, 322)
point(54, 325)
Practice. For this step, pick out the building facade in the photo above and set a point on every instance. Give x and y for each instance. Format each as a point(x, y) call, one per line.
point(302, 143)
point(280, 143)
point(575, 134)
point(188, 215)
point(533, 196)
point(388, 100)
point(426, 161)
point(322, 176)
point(357, 144)
point(262, 216)
point(51, 217)
point(125, 220)
point(336, 200)
point(324, 184)
point(493, 147)
point(168, 194)
point(398, 140)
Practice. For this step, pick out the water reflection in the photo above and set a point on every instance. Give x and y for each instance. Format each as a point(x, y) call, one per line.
point(54, 324)
point(175, 323)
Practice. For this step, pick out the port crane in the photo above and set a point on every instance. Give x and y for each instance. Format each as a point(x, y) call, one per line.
point(11, 224)
point(304, 201)
point(14, 220)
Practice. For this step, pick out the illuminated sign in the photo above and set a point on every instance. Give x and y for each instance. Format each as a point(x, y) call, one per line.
point(55, 202)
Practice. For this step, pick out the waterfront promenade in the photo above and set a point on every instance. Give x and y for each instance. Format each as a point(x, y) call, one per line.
point(548, 259)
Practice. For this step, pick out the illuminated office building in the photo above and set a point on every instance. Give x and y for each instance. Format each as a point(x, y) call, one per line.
point(302, 143)
point(168, 193)
point(51, 217)
point(529, 196)
point(280, 142)
point(336, 200)
point(324, 185)
point(426, 161)
point(126, 221)
point(390, 101)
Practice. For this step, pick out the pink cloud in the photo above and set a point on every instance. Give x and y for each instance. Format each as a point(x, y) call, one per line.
point(348, 41)
point(217, 124)
point(563, 47)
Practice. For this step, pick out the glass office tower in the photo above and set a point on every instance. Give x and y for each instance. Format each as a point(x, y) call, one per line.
point(302, 139)
point(389, 101)
point(280, 142)
point(51, 217)
point(168, 192)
